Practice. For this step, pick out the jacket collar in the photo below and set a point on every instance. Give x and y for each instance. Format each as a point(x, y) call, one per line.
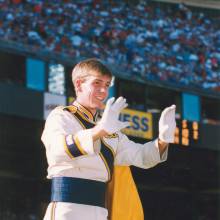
point(85, 112)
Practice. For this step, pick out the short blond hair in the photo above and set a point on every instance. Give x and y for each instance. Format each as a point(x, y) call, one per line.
point(88, 67)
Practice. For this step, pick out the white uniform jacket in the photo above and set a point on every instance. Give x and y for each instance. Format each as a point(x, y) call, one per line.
point(71, 152)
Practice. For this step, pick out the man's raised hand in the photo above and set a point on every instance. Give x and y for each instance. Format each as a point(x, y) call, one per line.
point(167, 124)
point(110, 122)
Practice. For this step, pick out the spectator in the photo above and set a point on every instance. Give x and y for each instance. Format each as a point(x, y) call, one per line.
point(172, 43)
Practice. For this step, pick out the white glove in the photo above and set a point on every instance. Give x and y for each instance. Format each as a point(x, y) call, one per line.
point(110, 122)
point(167, 124)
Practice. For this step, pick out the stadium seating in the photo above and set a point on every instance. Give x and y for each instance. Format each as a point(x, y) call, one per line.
point(171, 43)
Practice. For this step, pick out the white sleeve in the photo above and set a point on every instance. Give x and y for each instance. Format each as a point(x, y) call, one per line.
point(140, 155)
point(64, 138)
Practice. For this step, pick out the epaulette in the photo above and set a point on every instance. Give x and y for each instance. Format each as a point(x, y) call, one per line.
point(70, 108)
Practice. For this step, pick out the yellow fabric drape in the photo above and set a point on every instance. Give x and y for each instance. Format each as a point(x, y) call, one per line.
point(123, 200)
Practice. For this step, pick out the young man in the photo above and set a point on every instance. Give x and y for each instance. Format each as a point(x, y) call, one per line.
point(83, 150)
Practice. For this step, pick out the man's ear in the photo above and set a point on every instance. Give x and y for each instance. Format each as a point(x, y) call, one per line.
point(78, 84)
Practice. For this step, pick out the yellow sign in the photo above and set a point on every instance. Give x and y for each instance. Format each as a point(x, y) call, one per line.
point(141, 123)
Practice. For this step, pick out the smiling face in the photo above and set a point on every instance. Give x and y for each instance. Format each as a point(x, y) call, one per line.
point(92, 90)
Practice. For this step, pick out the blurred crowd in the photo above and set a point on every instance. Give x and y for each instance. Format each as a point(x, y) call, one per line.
point(171, 43)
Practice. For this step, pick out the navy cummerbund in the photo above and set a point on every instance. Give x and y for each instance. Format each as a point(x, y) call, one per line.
point(76, 190)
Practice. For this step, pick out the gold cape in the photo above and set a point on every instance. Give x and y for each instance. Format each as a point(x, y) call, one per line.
point(123, 200)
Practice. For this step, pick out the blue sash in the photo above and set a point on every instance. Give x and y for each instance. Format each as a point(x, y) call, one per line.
point(77, 190)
